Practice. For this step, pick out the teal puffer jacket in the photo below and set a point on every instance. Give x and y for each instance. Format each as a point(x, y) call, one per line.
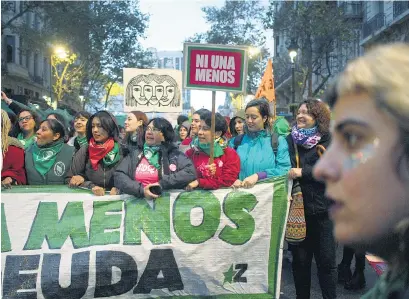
point(257, 155)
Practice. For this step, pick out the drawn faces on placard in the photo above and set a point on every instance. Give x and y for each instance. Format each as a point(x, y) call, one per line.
point(153, 90)
point(168, 95)
point(138, 94)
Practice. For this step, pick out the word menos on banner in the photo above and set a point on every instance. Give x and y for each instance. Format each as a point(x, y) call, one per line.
point(215, 67)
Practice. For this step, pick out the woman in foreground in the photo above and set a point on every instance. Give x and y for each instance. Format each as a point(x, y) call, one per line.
point(366, 167)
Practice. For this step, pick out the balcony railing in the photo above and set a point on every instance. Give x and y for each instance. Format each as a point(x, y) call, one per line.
point(374, 24)
point(399, 7)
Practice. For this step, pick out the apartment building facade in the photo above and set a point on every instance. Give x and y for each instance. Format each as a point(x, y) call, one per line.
point(26, 74)
point(384, 22)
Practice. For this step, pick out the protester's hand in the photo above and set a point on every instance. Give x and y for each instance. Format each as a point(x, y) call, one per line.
point(98, 191)
point(250, 181)
point(5, 98)
point(76, 180)
point(237, 184)
point(114, 191)
point(212, 169)
point(192, 185)
point(6, 183)
point(295, 173)
point(148, 194)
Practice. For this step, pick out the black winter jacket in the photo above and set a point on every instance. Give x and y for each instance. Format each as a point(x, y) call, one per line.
point(102, 177)
point(313, 191)
point(124, 177)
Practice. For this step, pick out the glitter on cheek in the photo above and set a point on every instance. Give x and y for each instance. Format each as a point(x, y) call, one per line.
point(361, 157)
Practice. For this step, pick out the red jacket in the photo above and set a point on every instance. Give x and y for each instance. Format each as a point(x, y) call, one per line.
point(227, 168)
point(13, 165)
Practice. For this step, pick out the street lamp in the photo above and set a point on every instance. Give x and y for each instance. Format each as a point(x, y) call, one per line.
point(253, 51)
point(59, 55)
point(292, 51)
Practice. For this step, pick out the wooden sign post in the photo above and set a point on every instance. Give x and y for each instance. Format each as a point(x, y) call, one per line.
point(213, 127)
point(215, 68)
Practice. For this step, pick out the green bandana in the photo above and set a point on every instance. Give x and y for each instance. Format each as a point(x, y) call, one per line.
point(219, 145)
point(387, 285)
point(44, 157)
point(26, 142)
point(112, 157)
point(82, 141)
point(152, 154)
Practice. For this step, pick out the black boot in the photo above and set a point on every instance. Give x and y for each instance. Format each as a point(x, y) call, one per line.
point(344, 273)
point(357, 282)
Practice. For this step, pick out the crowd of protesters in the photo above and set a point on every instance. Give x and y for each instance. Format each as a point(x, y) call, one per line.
point(150, 156)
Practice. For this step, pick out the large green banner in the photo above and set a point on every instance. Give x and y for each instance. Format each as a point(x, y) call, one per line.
point(66, 243)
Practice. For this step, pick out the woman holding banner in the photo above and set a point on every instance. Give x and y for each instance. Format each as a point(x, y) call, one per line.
point(12, 171)
point(226, 167)
point(260, 156)
point(93, 166)
point(308, 136)
point(366, 167)
point(47, 161)
point(146, 172)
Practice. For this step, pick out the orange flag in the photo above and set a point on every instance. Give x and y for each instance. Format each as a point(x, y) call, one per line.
point(266, 88)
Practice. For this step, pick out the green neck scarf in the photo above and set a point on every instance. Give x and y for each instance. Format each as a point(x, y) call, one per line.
point(44, 157)
point(82, 140)
point(389, 284)
point(112, 157)
point(26, 142)
point(219, 146)
point(152, 154)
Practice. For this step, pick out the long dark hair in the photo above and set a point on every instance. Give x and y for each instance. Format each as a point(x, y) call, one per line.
point(108, 123)
point(16, 128)
point(264, 109)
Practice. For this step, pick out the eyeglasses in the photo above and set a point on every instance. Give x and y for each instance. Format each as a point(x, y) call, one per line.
point(27, 118)
point(153, 129)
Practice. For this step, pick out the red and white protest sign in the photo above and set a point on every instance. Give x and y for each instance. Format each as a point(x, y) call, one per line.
point(215, 67)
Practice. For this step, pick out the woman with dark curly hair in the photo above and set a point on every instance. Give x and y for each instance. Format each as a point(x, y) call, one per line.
point(308, 136)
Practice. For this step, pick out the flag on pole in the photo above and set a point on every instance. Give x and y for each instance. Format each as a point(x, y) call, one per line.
point(266, 88)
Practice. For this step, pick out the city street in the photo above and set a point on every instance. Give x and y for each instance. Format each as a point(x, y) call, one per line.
point(288, 288)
